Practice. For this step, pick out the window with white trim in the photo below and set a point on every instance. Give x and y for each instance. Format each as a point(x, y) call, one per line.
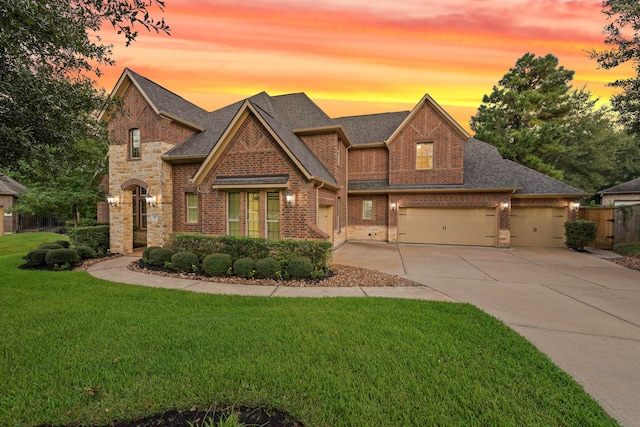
point(134, 143)
point(192, 207)
point(273, 215)
point(367, 209)
point(253, 214)
point(424, 155)
point(233, 214)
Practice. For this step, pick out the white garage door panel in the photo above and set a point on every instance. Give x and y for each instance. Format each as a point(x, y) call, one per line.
point(447, 226)
point(542, 227)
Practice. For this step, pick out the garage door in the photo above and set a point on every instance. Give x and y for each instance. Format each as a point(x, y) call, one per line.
point(448, 226)
point(538, 227)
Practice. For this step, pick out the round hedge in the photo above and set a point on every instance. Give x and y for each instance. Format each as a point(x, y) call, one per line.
point(300, 268)
point(36, 258)
point(64, 243)
point(160, 256)
point(85, 252)
point(184, 261)
point(50, 245)
point(217, 264)
point(60, 257)
point(243, 267)
point(266, 268)
point(147, 251)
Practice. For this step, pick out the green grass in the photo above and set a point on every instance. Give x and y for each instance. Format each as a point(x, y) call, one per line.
point(629, 250)
point(75, 349)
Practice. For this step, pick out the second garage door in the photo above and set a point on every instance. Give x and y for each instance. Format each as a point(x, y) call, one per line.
point(448, 226)
point(538, 227)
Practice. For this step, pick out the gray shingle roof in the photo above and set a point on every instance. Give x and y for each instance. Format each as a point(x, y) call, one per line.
point(484, 168)
point(11, 187)
point(371, 128)
point(299, 111)
point(632, 186)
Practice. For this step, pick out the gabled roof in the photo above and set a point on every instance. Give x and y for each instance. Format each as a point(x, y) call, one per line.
point(371, 128)
point(484, 170)
point(162, 101)
point(10, 187)
point(632, 186)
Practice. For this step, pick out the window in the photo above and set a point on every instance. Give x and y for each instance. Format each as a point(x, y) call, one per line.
point(139, 208)
point(339, 147)
point(424, 155)
point(233, 214)
point(273, 215)
point(253, 214)
point(367, 209)
point(134, 143)
point(192, 207)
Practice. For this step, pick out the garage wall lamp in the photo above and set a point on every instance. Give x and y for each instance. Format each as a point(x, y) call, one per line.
point(288, 195)
point(393, 206)
point(504, 206)
point(574, 206)
point(113, 201)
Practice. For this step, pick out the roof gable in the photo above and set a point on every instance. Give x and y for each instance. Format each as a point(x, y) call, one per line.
point(371, 128)
point(632, 186)
point(11, 187)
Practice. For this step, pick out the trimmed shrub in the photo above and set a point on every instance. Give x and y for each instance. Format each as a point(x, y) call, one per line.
point(580, 233)
point(147, 251)
point(217, 264)
point(64, 243)
point(36, 258)
point(244, 267)
point(160, 256)
point(85, 252)
point(50, 246)
point(266, 268)
point(300, 268)
point(96, 237)
point(184, 261)
point(58, 258)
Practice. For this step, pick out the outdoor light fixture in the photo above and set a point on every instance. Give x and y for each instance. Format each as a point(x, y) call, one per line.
point(393, 206)
point(504, 206)
point(289, 197)
point(574, 206)
point(113, 201)
point(151, 200)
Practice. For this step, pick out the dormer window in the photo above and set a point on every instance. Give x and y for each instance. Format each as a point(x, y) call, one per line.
point(134, 143)
point(424, 155)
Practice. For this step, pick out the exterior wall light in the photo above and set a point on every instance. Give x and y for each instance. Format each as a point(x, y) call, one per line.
point(574, 206)
point(393, 206)
point(504, 206)
point(113, 201)
point(151, 200)
point(288, 195)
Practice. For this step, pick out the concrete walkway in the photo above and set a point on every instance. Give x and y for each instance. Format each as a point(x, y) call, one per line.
point(581, 310)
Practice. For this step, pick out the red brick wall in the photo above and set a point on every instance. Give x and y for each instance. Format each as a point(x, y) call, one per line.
point(251, 151)
point(380, 210)
point(139, 114)
point(448, 162)
point(368, 163)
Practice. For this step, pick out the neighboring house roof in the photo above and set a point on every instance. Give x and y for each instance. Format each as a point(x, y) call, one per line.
point(11, 187)
point(484, 169)
point(371, 128)
point(628, 187)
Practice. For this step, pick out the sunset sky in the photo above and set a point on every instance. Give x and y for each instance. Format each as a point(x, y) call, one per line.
point(361, 56)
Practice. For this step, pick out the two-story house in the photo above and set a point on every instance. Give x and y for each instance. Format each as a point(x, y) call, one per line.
point(278, 167)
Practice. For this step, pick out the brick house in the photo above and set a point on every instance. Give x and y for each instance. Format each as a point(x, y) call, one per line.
point(279, 167)
point(10, 189)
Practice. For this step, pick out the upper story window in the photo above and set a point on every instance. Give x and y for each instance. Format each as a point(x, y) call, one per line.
point(134, 143)
point(424, 155)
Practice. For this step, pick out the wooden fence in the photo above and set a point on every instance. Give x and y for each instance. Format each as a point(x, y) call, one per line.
point(617, 226)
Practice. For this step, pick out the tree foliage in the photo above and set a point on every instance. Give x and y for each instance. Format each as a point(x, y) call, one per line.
point(622, 37)
point(50, 53)
point(524, 114)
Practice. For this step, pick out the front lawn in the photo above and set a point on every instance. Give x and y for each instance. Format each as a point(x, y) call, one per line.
point(75, 349)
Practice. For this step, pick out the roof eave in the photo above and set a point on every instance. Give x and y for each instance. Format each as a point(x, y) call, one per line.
point(184, 159)
point(435, 190)
point(181, 121)
point(549, 195)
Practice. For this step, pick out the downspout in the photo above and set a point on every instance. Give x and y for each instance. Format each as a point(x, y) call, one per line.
point(318, 202)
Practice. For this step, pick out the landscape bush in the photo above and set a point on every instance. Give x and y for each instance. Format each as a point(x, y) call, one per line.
point(300, 268)
point(36, 258)
point(95, 237)
point(63, 243)
point(185, 261)
point(147, 251)
point(85, 252)
point(160, 256)
point(580, 233)
point(50, 246)
point(61, 258)
point(217, 264)
point(267, 268)
point(244, 267)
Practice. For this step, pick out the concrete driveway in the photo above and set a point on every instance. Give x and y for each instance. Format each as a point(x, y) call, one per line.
point(580, 310)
